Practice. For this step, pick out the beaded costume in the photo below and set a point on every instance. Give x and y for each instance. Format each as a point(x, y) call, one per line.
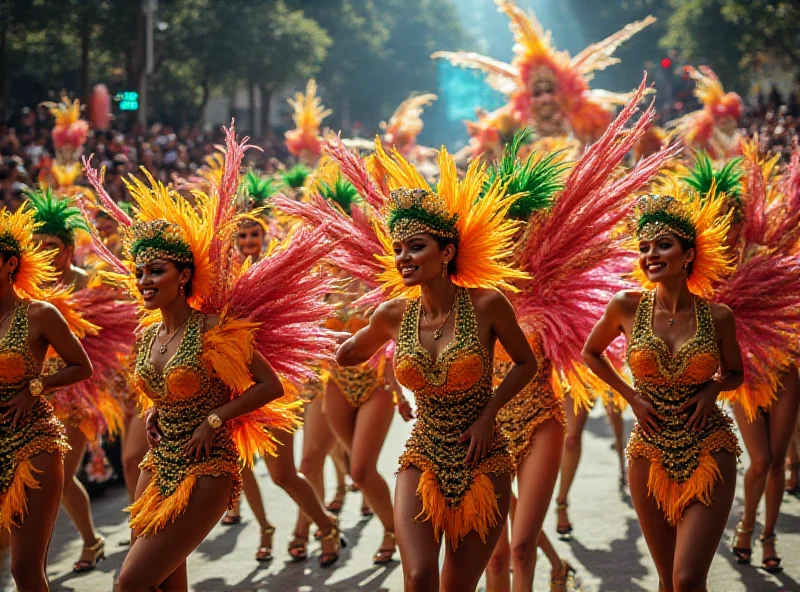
point(40, 432)
point(356, 383)
point(450, 393)
point(185, 393)
point(532, 406)
point(682, 469)
point(397, 203)
point(280, 318)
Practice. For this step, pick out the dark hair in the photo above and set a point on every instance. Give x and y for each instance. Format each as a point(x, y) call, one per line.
point(5, 255)
point(443, 242)
point(687, 244)
point(187, 290)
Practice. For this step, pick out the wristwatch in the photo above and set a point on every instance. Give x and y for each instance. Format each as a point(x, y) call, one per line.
point(36, 387)
point(214, 421)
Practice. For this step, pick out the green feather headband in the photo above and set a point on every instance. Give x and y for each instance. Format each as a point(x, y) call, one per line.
point(703, 176)
point(414, 211)
point(158, 239)
point(654, 215)
point(296, 176)
point(535, 182)
point(259, 189)
point(57, 216)
point(343, 193)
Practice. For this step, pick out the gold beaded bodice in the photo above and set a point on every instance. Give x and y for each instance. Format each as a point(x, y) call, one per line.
point(185, 393)
point(533, 405)
point(17, 365)
point(450, 392)
point(668, 380)
point(38, 432)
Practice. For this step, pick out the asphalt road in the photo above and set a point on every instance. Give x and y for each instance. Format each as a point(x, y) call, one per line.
point(608, 549)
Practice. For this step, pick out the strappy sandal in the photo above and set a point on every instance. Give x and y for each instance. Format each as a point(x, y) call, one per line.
point(743, 554)
point(264, 552)
point(298, 547)
point(771, 564)
point(335, 535)
point(337, 503)
point(95, 553)
point(384, 554)
point(558, 583)
point(564, 531)
point(231, 520)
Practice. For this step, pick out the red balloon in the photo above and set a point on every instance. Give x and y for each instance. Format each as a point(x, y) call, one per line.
point(100, 107)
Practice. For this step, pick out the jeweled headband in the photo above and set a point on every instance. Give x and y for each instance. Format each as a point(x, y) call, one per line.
point(8, 244)
point(654, 215)
point(414, 211)
point(158, 239)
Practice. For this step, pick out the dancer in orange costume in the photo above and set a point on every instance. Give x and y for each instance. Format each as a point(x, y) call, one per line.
point(33, 441)
point(682, 352)
point(214, 391)
point(547, 89)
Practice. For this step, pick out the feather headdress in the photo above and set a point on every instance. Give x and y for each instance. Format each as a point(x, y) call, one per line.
point(70, 131)
point(405, 124)
point(700, 221)
point(57, 217)
point(536, 60)
point(703, 129)
point(16, 239)
point(304, 140)
point(481, 228)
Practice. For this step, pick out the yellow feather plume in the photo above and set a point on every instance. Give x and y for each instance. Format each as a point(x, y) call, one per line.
point(485, 234)
point(158, 202)
point(712, 258)
point(35, 267)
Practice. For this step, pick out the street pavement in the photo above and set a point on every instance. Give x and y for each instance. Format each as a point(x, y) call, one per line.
point(607, 550)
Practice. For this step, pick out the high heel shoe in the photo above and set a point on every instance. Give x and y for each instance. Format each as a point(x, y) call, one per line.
point(96, 552)
point(772, 563)
point(558, 583)
point(298, 547)
point(564, 531)
point(743, 554)
point(337, 503)
point(264, 552)
point(384, 554)
point(335, 535)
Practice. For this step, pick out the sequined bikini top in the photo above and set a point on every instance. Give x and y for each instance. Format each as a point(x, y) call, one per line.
point(651, 361)
point(463, 365)
point(185, 376)
point(17, 365)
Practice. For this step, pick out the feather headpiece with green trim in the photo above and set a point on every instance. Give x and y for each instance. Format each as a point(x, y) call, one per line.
point(343, 193)
point(703, 176)
point(535, 181)
point(57, 217)
point(413, 211)
point(259, 189)
point(296, 176)
point(655, 215)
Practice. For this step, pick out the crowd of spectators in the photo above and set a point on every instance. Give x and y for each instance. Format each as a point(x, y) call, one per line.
point(26, 152)
point(26, 149)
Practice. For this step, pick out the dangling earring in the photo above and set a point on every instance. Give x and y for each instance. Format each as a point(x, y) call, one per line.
point(444, 268)
point(180, 290)
point(10, 277)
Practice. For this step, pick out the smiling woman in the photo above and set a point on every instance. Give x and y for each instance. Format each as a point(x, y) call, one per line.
point(210, 377)
point(682, 352)
point(445, 254)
